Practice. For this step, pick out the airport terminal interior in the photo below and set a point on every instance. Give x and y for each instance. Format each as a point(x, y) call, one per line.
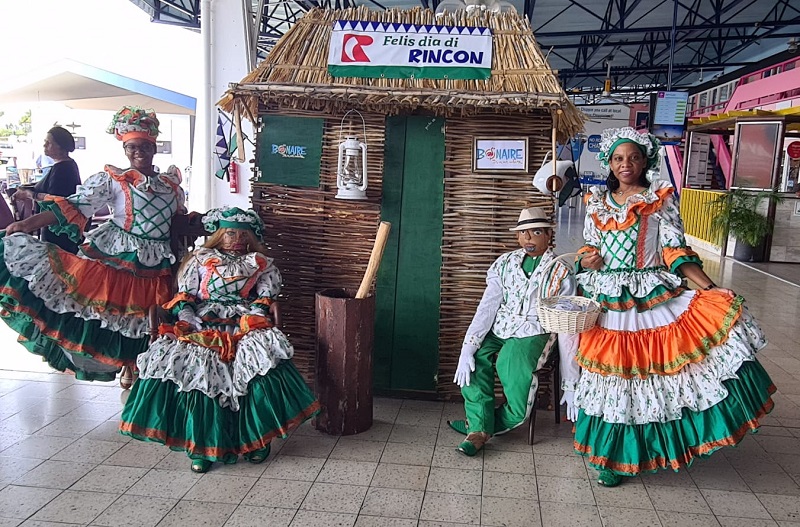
point(717, 81)
point(63, 461)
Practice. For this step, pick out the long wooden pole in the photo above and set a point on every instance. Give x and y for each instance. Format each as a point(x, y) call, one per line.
point(374, 259)
point(554, 144)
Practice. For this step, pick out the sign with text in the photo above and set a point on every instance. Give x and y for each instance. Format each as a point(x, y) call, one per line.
point(289, 149)
point(668, 115)
point(407, 51)
point(616, 112)
point(793, 150)
point(500, 154)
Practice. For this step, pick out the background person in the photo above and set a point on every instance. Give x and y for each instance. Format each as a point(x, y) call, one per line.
point(62, 179)
point(669, 373)
point(221, 382)
point(88, 313)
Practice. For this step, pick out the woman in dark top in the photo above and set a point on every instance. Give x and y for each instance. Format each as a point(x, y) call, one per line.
point(61, 180)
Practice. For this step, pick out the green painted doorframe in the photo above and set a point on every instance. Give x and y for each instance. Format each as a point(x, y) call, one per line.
point(406, 356)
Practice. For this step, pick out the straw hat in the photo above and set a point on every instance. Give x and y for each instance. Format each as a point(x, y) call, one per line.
point(532, 217)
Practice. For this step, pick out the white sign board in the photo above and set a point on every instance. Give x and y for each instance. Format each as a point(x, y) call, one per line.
point(407, 51)
point(500, 154)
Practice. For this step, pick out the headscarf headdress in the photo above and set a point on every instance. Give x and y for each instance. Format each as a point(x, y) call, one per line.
point(233, 218)
point(133, 122)
point(647, 143)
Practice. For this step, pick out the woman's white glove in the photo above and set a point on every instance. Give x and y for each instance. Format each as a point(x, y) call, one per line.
point(187, 314)
point(466, 365)
point(569, 399)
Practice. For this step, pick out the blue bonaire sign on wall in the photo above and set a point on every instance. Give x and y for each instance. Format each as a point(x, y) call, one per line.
point(593, 143)
point(289, 150)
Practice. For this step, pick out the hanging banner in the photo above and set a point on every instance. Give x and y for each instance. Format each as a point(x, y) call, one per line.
point(405, 51)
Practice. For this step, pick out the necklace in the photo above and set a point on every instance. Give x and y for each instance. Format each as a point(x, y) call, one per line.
point(629, 191)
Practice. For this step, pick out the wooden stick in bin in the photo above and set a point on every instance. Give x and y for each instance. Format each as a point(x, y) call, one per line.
point(374, 259)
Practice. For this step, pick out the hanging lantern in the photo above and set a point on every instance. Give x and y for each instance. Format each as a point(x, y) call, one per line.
point(351, 168)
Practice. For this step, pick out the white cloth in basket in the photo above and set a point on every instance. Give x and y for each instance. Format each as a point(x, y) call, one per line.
point(567, 304)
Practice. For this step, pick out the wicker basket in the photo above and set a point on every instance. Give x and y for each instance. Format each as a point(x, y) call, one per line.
point(560, 321)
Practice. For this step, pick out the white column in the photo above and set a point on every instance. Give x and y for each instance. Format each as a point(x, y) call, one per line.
point(225, 49)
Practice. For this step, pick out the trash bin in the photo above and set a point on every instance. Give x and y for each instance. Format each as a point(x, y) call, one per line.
point(345, 337)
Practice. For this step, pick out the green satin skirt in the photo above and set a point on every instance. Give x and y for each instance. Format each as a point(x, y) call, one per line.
point(632, 449)
point(195, 423)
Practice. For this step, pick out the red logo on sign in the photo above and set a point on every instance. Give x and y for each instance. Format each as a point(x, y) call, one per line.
point(793, 150)
point(353, 48)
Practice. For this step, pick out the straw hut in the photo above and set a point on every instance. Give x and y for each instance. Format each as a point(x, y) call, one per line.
point(449, 219)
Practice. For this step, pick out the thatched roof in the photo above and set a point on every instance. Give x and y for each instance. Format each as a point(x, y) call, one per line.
point(295, 73)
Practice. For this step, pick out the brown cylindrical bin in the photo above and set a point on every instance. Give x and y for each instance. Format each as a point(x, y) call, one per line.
point(345, 338)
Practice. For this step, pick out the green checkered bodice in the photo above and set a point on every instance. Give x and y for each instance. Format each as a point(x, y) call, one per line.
point(618, 248)
point(223, 288)
point(152, 213)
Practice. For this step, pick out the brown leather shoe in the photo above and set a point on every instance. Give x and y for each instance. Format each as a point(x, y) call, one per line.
point(473, 443)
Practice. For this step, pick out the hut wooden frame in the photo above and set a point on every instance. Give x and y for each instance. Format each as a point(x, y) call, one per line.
point(477, 142)
point(319, 242)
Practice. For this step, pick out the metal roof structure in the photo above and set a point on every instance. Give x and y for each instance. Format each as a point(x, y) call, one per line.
point(86, 87)
point(645, 44)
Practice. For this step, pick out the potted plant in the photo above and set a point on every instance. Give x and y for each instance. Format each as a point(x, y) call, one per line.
point(735, 213)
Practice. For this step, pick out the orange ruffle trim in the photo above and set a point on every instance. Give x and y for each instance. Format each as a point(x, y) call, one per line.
point(670, 254)
point(180, 297)
point(634, 212)
point(107, 289)
point(220, 341)
point(664, 350)
point(70, 212)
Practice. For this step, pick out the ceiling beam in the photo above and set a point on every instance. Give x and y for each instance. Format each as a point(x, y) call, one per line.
point(699, 40)
point(637, 30)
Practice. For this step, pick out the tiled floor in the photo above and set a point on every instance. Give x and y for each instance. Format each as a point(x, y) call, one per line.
point(63, 463)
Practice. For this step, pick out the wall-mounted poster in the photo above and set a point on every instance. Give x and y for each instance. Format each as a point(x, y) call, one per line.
point(757, 153)
point(289, 150)
point(500, 154)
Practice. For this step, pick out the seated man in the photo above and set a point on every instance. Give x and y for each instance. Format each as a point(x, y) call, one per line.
point(505, 335)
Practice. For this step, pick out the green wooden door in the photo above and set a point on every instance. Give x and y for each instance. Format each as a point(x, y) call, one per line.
point(407, 304)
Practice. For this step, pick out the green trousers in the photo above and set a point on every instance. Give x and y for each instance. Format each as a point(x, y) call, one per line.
point(515, 360)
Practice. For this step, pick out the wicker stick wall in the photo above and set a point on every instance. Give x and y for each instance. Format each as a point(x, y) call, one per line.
point(478, 211)
point(319, 241)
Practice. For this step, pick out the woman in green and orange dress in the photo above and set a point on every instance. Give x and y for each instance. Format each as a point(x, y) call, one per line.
point(220, 383)
point(669, 374)
point(87, 313)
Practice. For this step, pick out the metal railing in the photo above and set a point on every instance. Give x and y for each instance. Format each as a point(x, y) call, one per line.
point(697, 213)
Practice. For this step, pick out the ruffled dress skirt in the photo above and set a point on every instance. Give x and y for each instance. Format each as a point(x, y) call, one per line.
point(81, 315)
point(191, 400)
point(668, 377)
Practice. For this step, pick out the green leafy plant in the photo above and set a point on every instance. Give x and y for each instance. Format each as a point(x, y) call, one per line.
point(736, 213)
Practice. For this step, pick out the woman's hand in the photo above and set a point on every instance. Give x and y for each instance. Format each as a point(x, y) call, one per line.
point(728, 292)
point(18, 226)
point(592, 261)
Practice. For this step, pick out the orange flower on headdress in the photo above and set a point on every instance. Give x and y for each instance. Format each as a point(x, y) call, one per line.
point(132, 122)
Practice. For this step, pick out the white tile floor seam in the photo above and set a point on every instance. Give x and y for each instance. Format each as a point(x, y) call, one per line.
point(63, 463)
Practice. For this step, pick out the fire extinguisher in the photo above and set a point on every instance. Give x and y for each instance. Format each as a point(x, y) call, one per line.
point(233, 177)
